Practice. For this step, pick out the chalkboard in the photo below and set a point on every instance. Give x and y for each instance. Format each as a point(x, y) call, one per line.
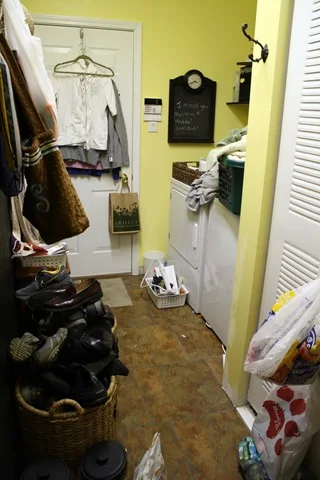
point(191, 114)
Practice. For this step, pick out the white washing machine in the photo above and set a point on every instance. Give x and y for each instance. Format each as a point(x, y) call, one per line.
point(204, 248)
point(187, 241)
point(217, 284)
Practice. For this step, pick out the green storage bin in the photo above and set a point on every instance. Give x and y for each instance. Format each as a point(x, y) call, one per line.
point(230, 184)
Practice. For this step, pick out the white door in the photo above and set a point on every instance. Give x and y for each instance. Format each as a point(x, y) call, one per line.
point(294, 245)
point(96, 252)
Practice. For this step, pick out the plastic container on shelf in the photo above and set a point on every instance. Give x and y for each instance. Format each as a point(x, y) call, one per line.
point(230, 184)
point(53, 261)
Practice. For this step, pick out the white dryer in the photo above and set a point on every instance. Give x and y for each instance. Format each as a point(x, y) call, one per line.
point(187, 241)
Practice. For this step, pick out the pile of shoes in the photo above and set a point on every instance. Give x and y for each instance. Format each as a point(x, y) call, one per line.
point(71, 351)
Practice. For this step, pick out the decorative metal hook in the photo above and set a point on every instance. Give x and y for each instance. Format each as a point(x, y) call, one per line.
point(264, 49)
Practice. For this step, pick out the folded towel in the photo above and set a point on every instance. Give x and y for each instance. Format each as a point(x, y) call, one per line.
point(216, 153)
point(239, 154)
point(235, 158)
point(233, 136)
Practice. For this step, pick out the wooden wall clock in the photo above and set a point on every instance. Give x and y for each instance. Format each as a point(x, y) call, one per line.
point(192, 103)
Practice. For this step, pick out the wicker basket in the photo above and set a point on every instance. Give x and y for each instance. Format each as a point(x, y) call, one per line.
point(66, 435)
point(114, 329)
point(185, 174)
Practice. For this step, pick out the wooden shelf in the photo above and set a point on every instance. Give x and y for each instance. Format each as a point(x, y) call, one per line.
point(237, 103)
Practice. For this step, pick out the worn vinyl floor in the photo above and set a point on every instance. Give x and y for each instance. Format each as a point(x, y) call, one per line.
point(174, 387)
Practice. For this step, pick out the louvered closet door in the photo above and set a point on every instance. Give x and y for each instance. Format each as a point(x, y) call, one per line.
point(294, 245)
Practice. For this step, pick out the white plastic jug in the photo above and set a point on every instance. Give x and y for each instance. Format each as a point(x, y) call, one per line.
point(150, 257)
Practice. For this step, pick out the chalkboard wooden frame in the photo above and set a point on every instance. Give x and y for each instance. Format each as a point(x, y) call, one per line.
point(191, 113)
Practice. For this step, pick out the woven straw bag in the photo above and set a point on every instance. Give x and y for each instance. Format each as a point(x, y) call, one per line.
point(66, 434)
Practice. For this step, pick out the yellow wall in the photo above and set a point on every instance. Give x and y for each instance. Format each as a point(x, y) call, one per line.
point(177, 35)
point(273, 23)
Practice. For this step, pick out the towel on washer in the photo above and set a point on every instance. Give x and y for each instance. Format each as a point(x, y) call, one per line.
point(204, 189)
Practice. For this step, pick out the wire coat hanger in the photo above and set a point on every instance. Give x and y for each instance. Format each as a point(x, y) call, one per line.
point(87, 60)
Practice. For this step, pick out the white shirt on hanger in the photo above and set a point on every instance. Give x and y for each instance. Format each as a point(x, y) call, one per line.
point(82, 101)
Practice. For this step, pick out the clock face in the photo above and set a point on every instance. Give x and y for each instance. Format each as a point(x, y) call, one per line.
point(194, 81)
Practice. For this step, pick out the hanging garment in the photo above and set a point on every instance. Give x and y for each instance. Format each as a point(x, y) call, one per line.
point(78, 153)
point(18, 244)
point(81, 103)
point(116, 155)
point(30, 56)
point(9, 117)
point(11, 174)
point(51, 202)
point(25, 238)
point(77, 168)
point(11, 180)
point(118, 140)
point(83, 166)
point(91, 172)
point(26, 230)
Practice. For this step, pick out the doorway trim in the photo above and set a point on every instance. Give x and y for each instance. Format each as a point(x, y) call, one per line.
point(265, 114)
point(136, 29)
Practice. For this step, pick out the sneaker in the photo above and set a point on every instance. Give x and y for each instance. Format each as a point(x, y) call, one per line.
point(37, 300)
point(21, 349)
point(46, 355)
point(49, 323)
point(45, 280)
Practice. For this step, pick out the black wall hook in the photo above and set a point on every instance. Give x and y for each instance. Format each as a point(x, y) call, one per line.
point(264, 50)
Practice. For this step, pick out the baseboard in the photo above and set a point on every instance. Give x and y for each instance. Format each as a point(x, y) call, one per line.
point(247, 415)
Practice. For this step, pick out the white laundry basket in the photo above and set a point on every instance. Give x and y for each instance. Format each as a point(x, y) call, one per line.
point(167, 301)
point(163, 299)
point(150, 257)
